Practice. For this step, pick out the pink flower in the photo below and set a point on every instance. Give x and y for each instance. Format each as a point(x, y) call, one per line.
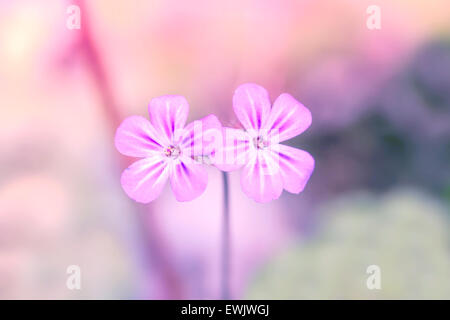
point(268, 166)
point(168, 150)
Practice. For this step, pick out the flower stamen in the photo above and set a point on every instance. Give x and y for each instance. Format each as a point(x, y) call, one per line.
point(172, 152)
point(260, 143)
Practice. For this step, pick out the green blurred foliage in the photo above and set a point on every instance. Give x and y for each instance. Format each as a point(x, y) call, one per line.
point(405, 233)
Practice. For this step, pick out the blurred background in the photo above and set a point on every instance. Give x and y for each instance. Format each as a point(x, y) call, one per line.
point(380, 193)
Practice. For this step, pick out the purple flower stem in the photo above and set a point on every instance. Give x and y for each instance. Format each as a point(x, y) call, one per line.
point(154, 242)
point(225, 277)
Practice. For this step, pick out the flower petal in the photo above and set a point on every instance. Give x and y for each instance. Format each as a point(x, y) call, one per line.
point(144, 180)
point(136, 137)
point(296, 167)
point(251, 105)
point(188, 179)
point(201, 137)
point(261, 178)
point(288, 118)
point(168, 114)
point(234, 152)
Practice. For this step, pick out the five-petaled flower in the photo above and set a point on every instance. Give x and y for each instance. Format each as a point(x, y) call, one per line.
point(171, 151)
point(268, 166)
point(168, 150)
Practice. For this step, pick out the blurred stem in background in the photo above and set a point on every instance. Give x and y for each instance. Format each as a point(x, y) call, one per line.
point(154, 244)
point(226, 239)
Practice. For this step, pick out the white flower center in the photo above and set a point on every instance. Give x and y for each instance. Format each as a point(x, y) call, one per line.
point(172, 152)
point(260, 143)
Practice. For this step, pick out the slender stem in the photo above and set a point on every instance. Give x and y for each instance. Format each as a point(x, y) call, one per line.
point(226, 240)
point(153, 241)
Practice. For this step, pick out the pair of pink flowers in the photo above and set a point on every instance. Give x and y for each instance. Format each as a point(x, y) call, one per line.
point(171, 151)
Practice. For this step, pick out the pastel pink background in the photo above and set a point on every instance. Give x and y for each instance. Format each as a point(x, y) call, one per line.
point(64, 92)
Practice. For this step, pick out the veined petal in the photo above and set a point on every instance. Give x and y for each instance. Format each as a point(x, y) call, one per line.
point(144, 180)
point(251, 105)
point(296, 167)
point(261, 178)
point(235, 150)
point(201, 137)
point(136, 137)
point(168, 114)
point(188, 179)
point(288, 118)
